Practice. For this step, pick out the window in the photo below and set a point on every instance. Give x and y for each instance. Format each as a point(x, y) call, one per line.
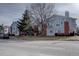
point(51, 31)
point(61, 22)
point(59, 31)
point(57, 24)
point(50, 25)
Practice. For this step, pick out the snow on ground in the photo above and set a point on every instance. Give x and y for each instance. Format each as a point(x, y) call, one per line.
point(38, 48)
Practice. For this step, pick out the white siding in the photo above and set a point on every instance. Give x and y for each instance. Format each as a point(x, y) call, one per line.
point(14, 28)
point(72, 23)
point(50, 28)
point(56, 25)
point(59, 25)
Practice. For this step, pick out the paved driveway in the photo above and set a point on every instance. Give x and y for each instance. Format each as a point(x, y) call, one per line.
point(38, 48)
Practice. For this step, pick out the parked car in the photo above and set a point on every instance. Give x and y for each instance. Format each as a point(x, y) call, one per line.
point(6, 36)
point(1, 35)
point(6, 32)
point(77, 34)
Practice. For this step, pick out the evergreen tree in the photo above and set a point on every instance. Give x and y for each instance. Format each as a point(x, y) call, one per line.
point(24, 23)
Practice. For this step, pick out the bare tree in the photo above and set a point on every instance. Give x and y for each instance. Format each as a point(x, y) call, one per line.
point(42, 12)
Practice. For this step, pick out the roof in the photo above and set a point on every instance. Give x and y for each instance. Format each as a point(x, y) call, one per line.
point(15, 22)
point(61, 16)
point(64, 16)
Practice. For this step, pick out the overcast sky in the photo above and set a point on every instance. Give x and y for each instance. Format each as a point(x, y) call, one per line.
point(11, 12)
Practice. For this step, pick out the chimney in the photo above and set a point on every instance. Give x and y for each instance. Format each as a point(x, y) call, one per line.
point(67, 14)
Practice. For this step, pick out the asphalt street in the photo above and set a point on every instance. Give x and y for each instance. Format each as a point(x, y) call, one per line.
point(38, 48)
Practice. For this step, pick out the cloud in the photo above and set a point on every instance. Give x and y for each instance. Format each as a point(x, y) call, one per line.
point(10, 12)
point(73, 9)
